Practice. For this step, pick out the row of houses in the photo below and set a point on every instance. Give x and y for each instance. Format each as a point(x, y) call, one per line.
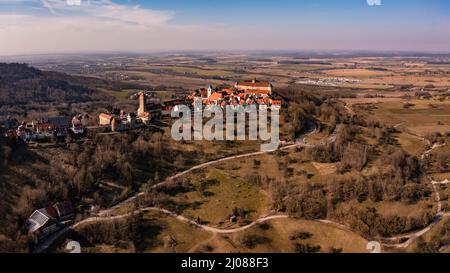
point(149, 110)
point(119, 120)
point(242, 93)
point(46, 129)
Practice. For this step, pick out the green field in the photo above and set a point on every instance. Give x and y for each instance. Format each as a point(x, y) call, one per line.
point(422, 118)
point(214, 201)
point(198, 71)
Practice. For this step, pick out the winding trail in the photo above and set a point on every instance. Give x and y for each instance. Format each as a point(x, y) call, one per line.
point(410, 238)
point(104, 215)
point(301, 142)
point(183, 219)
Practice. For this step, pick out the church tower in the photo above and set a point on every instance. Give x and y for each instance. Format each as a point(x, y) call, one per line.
point(210, 90)
point(141, 108)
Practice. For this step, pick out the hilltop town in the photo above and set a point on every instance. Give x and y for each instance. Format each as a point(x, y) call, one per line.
point(66, 128)
point(362, 156)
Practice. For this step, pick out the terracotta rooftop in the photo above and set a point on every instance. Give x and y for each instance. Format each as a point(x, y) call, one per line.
point(257, 92)
point(105, 116)
point(254, 84)
point(215, 96)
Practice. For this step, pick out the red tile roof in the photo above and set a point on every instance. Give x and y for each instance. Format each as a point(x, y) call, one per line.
point(105, 116)
point(51, 211)
point(215, 96)
point(229, 91)
point(254, 84)
point(257, 92)
point(44, 127)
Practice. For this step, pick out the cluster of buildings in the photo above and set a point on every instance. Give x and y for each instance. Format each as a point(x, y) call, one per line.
point(242, 93)
point(47, 129)
point(328, 81)
point(119, 120)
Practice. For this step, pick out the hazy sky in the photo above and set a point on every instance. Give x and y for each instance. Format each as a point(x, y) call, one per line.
point(60, 26)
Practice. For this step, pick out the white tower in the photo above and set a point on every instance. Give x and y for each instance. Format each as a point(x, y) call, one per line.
point(210, 90)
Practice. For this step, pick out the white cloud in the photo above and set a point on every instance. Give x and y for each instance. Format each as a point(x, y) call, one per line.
point(108, 10)
point(95, 25)
point(102, 25)
point(374, 2)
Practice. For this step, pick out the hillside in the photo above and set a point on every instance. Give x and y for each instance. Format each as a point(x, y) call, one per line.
point(24, 89)
point(22, 84)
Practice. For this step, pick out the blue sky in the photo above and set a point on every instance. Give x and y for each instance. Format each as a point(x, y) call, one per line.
point(250, 10)
point(47, 26)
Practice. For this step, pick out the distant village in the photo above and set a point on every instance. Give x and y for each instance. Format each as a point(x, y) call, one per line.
point(64, 128)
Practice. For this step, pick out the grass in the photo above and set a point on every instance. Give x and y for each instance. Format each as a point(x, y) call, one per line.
point(215, 203)
point(420, 119)
point(356, 73)
point(197, 71)
point(160, 231)
point(410, 144)
point(427, 237)
point(278, 233)
point(185, 235)
point(278, 166)
point(119, 95)
point(161, 234)
point(301, 67)
point(395, 208)
point(387, 208)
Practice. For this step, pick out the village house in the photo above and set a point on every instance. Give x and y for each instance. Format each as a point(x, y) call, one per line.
point(45, 221)
point(148, 111)
point(257, 87)
point(105, 119)
point(119, 120)
point(60, 125)
point(79, 124)
point(47, 129)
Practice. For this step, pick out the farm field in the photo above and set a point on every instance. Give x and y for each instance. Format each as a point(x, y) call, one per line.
point(422, 117)
point(390, 111)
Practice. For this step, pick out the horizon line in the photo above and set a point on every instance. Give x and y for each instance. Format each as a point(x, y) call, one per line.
point(316, 51)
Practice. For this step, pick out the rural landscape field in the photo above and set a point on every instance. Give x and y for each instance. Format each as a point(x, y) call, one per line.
point(372, 163)
point(90, 161)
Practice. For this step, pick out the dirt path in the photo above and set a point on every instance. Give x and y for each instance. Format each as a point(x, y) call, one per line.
point(103, 215)
point(410, 238)
point(181, 218)
point(301, 142)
